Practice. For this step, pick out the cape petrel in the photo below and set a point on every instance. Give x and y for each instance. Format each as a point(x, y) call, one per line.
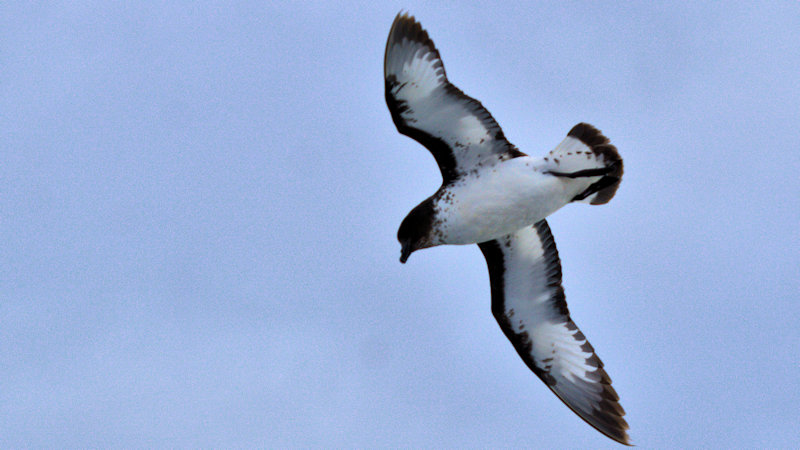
point(497, 197)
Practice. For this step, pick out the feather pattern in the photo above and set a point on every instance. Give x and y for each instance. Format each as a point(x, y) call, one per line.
point(460, 133)
point(529, 304)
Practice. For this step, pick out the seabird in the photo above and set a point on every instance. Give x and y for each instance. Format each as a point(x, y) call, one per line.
point(495, 196)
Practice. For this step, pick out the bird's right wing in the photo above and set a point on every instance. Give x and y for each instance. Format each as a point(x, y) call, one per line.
point(528, 303)
point(425, 106)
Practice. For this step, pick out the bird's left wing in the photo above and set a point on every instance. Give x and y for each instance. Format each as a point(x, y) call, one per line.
point(528, 303)
point(425, 106)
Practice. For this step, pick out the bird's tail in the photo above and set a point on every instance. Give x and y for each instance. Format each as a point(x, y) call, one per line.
point(585, 153)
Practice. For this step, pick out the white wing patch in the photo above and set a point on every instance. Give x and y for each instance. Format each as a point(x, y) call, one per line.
point(530, 297)
point(421, 71)
point(472, 129)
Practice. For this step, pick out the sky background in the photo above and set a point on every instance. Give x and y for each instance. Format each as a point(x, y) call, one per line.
point(199, 201)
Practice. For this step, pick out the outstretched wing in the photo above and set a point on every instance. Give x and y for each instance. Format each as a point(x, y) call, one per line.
point(456, 128)
point(528, 303)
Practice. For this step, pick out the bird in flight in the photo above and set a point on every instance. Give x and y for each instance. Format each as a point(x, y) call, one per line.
point(495, 196)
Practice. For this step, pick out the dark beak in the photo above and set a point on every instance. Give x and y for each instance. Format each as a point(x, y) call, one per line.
point(405, 252)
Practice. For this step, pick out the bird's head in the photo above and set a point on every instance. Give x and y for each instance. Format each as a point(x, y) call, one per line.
point(415, 231)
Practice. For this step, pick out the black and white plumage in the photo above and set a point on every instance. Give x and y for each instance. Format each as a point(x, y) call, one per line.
point(497, 197)
point(456, 128)
point(529, 304)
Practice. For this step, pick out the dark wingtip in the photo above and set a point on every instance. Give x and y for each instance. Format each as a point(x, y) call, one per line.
point(406, 26)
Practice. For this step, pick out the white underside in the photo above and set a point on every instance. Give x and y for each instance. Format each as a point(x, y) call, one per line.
point(498, 200)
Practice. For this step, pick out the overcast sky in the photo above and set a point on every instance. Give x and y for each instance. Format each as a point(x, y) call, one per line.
point(199, 201)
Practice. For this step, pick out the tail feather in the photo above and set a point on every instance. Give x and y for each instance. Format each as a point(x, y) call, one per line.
point(586, 150)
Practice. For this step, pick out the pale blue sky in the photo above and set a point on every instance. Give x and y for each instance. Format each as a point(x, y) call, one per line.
point(199, 207)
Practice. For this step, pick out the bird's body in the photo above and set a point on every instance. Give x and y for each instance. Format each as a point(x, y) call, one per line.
point(497, 197)
point(498, 200)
